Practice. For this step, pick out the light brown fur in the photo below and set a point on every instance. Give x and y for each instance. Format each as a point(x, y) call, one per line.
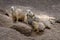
point(18, 14)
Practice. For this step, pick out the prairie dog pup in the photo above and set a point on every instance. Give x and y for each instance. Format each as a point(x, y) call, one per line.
point(33, 22)
point(40, 22)
point(17, 14)
point(46, 20)
point(37, 24)
point(29, 17)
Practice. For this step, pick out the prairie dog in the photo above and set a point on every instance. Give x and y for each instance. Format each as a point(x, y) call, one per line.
point(40, 22)
point(17, 14)
point(45, 19)
point(37, 24)
point(21, 14)
point(29, 17)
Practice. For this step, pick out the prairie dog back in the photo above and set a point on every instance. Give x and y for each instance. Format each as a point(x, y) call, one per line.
point(17, 14)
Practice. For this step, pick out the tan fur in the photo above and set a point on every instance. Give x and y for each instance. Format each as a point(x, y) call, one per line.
point(40, 22)
point(18, 14)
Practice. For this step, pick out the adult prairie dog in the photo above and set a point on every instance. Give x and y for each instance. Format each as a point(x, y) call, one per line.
point(17, 14)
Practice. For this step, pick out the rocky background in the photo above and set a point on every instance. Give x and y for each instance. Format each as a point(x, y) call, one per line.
point(49, 7)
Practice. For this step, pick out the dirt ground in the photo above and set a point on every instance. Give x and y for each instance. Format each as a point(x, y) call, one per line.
point(49, 7)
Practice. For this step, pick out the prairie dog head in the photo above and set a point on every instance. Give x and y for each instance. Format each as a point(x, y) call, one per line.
point(30, 13)
point(36, 18)
point(52, 20)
